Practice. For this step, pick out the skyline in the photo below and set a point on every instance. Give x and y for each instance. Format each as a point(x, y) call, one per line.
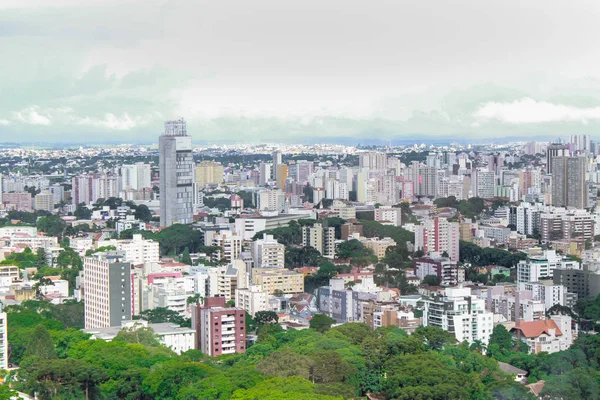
point(114, 71)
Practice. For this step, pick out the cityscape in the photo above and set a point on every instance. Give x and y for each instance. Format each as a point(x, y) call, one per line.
point(316, 201)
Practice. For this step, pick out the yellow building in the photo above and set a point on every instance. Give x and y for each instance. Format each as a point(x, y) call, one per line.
point(379, 246)
point(281, 174)
point(273, 279)
point(209, 172)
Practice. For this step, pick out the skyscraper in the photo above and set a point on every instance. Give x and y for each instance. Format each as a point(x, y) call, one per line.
point(176, 164)
point(569, 188)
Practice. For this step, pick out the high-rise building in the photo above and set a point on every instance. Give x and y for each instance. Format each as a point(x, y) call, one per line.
point(569, 187)
point(135, 176)
point(373, 160)
point(320, 238)
point(555, 150)
point(44, 201)
point(88, 189)
point(107, 290)
point(281, 173)
point(484, 184)
point(580, 143)
point(176, 164)
point(439, 236)
point(3, 336)
point(264, 173)
point(268, 253)
point(209, 172)
point(219, 329)
point(21, 201)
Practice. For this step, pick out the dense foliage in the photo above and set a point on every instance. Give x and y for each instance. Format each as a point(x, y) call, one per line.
point(58, 361)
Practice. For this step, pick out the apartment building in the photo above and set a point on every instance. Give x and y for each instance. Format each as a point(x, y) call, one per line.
point(219, 329)
point(320, 238)
point(107, 290)
point(284, 280)
point(268, 253)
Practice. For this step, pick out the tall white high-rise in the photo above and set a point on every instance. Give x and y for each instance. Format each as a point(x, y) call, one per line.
point(176, 164)
point(135, 176)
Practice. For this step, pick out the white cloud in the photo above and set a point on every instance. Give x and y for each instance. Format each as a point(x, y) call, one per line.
point(111, 121)
point(31, 115)
point(4, 122)
point(530, 111)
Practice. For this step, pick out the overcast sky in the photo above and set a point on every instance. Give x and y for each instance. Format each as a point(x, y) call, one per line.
point(273, 70)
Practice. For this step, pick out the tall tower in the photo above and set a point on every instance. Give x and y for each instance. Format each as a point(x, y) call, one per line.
point(569, 187)
point(176, 164)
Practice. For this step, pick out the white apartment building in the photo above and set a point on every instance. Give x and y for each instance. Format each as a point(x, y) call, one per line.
point(136, 250)
point(389, 215)
point(547, 292)
point(539, 267)
point(271, 200)
point(460, 313)
point(230, 244)
point(252, 299)
point(268, 253)
point(343, 210)
point(107, 290)
point(135, 176)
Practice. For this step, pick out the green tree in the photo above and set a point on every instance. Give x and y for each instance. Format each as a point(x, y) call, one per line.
point(265, 317)
point(40, 344)
point(285, 363)
point(433, 337)
point(6, 393)
point(185, 257)
point(431, 280)
point(321, 322)
point(41, 259)
point(138, 335)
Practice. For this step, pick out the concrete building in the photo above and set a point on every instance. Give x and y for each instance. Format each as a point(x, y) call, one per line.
point(20, 201)
point(438, 236)
point(542, 266)
point(484, 184)
point(176, 164)
point(548, 292)
point(584, 282)
point(389, 215)
point(107, 290)
point(44, 201)
point(137, 250)
point(461, 313)
point(320, 238)
point(177, 338)
point(569, 187)
point(268, 253)
point(252, 299)
point(89, 188)
point(273, 280)
point(208, 173)
point(219, 329)
point(230, 244)
point(135, 176)
point(513, 304)
point(378, 246)
point(443, 268)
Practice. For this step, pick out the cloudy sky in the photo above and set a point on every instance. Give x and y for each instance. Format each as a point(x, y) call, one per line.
point(272, 70)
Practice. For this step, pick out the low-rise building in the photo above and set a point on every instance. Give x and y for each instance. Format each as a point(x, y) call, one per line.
point(547, 335)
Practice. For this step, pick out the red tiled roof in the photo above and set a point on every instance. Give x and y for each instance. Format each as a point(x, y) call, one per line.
point(533, 329)
point(536, 388)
